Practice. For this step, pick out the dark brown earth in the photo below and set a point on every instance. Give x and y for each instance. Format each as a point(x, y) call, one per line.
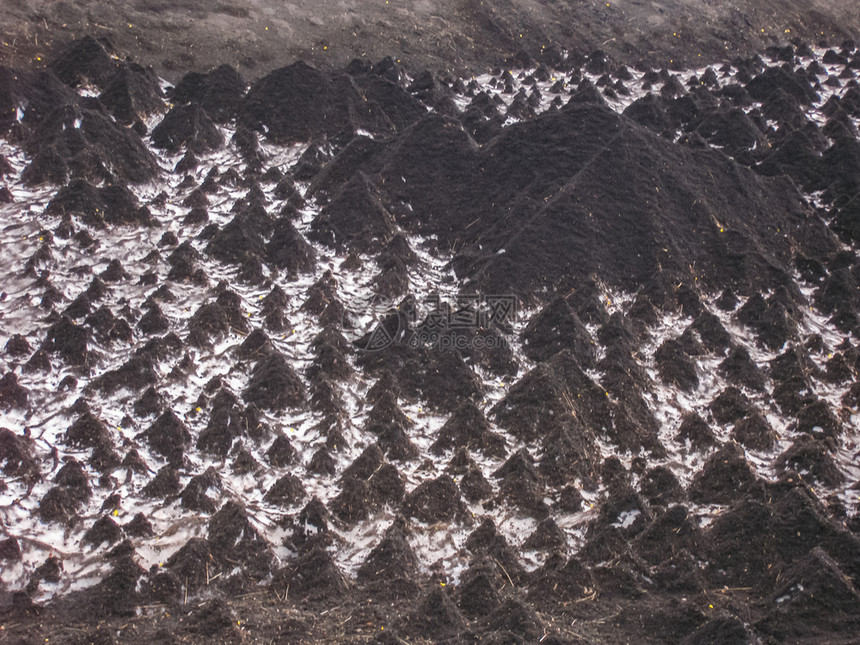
point(177, 36)
point(777, 564)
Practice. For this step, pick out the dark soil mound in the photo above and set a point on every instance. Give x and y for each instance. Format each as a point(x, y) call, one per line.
point(388, 93)
point(165, 484)
point(623, 514)
point(287, 491)
point(183, 262)
point(139, 526)
point(435, 616)
point(354, 219)
point(214, 619)
point(560, 389)
point(567, 453)
point(725, 478)
point(17, 346)
point(773, 324)
point(680, 573)
point(442, 379)
point(82, 143)
point(219, 92)
point(654, 112)
point(241, 239)
point(360, 154)
point(393, 279)
point(329, 362)
point(814, 592)
point(227, 422)
point(838, 165)
point(660, 486)
point(272, 309)
point(487, 541)
point(160, 349)
point(16, 456)
point(69, 341)
point(311, 526)
point(791, 371)
point(62, 501)
point(436, 500)
point(88, 431)
point(355, 501)
point(37, 92)
point(98, 206)
point(816, 418)
point(274, 385)
point(733, 130)
point(812, 457)
point(193, 565)
point(320, 294)
point(85, 61)
point(385, 413)
point(298, 104)
point(589, 146)
point(522, 485)
point(216, 319)
point(312, 161)
point(288, 250)
point(365, 464)
point(713, 334)
point(312, 576)
point(10, 550)
point(697, 431)
point(390, 560)
point(51, 570)
point(796, 85)
point(187, 126)
point(746, 543)
point(167, 435)
point(133, 94)
point(738, 367)
point(245, 141)
point(754, 432)
point(103, 530)
point(135, 374)
point(154, 321)
point(38, 362)
point(244, 463)
point(233, 539)
point(396, 445)
point(514, 620)
point(478, 591)
point(797, 157)
point(547, 537)
point(675, 366)
point(196, 495)
point(671, 532)
point(281, 453)
point(387, 485)
point(730, 405)
point(116, 594)
point(555, 328)
point(107, 328)
point(12, 394)
point(467, 427)
point(80, 307)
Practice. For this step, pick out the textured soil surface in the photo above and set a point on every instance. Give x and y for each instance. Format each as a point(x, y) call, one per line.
point(256, 36)
point(565, 351)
